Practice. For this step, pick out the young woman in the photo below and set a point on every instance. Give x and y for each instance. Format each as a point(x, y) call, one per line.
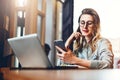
point(90, 49)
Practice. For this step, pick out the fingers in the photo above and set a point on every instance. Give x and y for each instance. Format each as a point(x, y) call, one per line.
point(77, 35)
point(66, 45)
point(60, 55)
point(59, 49)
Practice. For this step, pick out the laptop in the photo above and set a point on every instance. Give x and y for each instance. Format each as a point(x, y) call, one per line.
point(30, 53)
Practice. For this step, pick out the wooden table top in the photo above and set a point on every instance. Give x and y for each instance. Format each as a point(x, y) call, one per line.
point(64, 74)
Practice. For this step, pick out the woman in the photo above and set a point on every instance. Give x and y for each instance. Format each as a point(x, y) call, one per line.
point(90, 49)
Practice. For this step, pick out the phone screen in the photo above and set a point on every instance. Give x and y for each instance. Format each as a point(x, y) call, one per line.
point(60, 44)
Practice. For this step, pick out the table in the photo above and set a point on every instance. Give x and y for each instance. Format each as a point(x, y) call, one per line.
point(64, 74)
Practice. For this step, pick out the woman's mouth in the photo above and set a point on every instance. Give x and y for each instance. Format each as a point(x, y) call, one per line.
point(85, 30)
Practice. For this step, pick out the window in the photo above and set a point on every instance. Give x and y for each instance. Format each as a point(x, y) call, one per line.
point(27, 17)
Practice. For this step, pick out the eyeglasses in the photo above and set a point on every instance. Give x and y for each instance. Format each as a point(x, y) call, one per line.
point(88, 23)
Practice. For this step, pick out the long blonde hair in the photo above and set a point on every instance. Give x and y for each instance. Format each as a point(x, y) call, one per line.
point(81, 43)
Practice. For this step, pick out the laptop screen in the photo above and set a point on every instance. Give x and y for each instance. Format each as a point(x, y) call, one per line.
point(29, 51)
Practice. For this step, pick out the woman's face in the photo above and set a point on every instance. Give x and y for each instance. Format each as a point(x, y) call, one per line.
point(87, 25)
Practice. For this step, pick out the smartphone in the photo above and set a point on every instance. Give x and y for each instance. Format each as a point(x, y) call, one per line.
point(60, 44)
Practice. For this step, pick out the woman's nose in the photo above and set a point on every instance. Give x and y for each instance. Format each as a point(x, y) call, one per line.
point(85, 25)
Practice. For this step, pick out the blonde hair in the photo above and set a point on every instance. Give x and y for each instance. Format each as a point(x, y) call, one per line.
point(81, 43)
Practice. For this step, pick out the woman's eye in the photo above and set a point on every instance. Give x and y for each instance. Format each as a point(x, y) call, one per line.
point(82, 22)
point(89, 23)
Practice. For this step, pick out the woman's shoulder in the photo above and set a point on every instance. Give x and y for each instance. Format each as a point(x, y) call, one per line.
point(103, 41)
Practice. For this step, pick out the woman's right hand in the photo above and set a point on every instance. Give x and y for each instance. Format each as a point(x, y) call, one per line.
point(74, 36)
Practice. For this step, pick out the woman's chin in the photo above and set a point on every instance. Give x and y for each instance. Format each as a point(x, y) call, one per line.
point(85, 35)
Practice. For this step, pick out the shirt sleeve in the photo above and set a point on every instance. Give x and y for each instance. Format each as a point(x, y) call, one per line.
point(105, 55)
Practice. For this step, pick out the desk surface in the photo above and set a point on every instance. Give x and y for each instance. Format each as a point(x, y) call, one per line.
point(68, 74)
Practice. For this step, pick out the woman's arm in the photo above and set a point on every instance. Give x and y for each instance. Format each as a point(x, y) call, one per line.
point(73, 36)
point(105, 59)
point(105, 55)
point(102, 57)
point(69, 58)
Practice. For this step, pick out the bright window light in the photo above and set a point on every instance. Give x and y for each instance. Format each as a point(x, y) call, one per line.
point(20, 14)
point(21, 3)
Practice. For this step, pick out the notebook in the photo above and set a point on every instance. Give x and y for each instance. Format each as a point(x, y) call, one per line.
point(30, 53)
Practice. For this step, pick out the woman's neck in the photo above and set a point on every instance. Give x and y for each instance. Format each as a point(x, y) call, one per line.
point(88, 38)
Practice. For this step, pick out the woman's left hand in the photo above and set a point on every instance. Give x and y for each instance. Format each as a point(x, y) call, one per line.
point(66, 56)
